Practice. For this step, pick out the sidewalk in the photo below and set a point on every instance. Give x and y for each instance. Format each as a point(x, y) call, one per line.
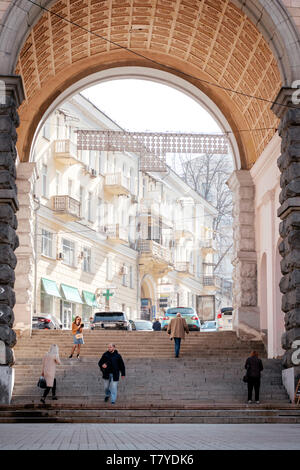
point(149, 436)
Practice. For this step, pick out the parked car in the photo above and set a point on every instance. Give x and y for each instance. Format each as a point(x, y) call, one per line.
point(209, 326)
point(141, 325)
point(224, 318)
point(46, 321)
point(110, 320)
point(188, 313)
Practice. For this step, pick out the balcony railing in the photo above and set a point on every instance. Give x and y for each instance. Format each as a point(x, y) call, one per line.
point(117, 183)
point(66, 206)
point(209, 244)
point(116, 233)
point(183, 267)
point(155, 250)
point(65, 152)
point(209, 281)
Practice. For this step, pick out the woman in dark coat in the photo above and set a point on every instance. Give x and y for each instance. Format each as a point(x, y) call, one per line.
point(254, 367)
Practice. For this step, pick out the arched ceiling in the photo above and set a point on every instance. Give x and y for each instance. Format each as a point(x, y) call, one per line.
point(211, 40)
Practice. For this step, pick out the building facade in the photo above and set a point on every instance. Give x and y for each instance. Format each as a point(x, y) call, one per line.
point(104, 227)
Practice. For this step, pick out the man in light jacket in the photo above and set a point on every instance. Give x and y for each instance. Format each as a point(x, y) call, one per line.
point(177, 329)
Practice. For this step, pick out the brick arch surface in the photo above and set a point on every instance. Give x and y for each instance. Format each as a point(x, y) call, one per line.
point(213, 41)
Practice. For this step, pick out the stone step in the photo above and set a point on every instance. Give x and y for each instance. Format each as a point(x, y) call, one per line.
point(111, 414)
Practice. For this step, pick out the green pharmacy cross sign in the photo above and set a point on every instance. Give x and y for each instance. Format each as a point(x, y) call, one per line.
point(107, 295)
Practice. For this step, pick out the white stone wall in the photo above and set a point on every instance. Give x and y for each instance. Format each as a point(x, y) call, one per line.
point(266, 178)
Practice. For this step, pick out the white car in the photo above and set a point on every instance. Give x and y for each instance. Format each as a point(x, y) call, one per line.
point(224, 318)
point(209, 326)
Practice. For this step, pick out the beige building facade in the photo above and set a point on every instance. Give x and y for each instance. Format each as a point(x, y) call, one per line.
point(101, 225)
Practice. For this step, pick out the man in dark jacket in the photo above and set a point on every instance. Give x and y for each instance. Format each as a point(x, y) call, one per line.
point(111, 365)
point(254, 367)
point(156, 325)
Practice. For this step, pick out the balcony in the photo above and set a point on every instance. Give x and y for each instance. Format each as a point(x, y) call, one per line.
point(66, 207)
point(210, 282)
point(183, 233)
point(156, 259)
point(117, 184)
point(208, 246)
point(184, 268)
point(116, 234)
point(65, 152)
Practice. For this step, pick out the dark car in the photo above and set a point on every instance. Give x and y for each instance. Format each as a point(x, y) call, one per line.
point(110, 320)
point(46, 321)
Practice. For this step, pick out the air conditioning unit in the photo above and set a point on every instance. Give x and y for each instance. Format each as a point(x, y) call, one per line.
point(60, 256)
point(93, 172)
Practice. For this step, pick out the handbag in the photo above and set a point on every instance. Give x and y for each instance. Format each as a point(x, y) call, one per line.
point(245, 378)
point(79, 336)
point(42, 382)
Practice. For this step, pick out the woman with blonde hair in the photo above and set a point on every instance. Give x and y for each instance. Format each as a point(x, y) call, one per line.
point(77, 328)
point(49, 369)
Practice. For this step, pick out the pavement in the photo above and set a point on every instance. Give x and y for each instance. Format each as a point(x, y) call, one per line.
point(108, 436)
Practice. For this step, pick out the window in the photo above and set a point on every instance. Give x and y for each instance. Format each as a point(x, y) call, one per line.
point(68, 249)
point(70, 187)
point(57, 182)
point(87, 260)
point(81, 200)
point(87, 313)
point(92, 159)
point(100, 213)
point(101, 163)
point(46, 303)
point(44, 181)
point(199, 265)
point(132, 181)
point(57, 127)
point(131, 277)
point(46, 130)
point(108, 269)
point(125, 276)
point(47, 243)
point(90, 211)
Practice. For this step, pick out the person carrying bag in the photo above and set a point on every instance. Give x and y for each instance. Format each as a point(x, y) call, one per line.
point(77, 328)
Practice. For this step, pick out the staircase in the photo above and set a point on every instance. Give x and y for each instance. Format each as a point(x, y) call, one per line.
point(203, 385)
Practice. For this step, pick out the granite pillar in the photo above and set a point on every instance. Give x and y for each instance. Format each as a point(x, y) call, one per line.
point(11, 97)
point(289, 212)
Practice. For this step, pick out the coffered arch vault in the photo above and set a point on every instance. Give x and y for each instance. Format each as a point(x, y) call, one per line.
point(215, 45)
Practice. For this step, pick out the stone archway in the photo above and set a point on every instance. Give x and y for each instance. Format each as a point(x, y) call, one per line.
point(148, 292)
point(228, 50)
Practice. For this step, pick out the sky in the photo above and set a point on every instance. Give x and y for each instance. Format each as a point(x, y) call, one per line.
point(142, 105)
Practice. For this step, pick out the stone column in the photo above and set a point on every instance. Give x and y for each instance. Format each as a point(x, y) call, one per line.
point(25, 270)
point(289, 212)
point(246, 321)
point(11, 96)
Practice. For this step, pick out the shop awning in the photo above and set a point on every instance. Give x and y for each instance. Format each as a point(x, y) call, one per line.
point(90, 299)
point(50, 287)
point(71, 294)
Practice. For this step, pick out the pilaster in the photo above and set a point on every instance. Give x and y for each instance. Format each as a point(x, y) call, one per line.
point(10, 99)
point(246, 314)
point(289, 212)
point(25, 270)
